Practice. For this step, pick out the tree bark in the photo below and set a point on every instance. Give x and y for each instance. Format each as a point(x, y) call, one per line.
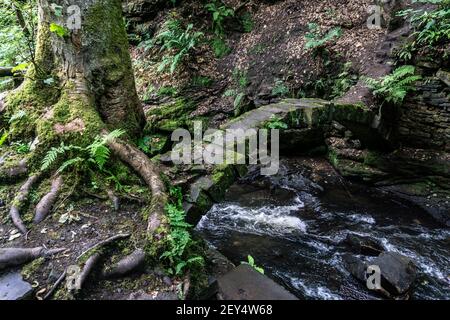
point(91, 66)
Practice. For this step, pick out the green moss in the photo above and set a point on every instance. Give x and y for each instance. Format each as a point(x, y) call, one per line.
point(31, 268)
point(171, 116)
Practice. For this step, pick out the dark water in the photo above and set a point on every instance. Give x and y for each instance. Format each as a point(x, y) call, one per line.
point(294, 229)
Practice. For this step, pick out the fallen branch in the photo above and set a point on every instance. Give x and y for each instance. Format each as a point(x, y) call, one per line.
point(12, 257)
point(18, 202)
point(44, 206)
point(127, 265)
point(56, 285)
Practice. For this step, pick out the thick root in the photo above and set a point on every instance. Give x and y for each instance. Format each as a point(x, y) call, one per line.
point(94, 259)
point(45, 205)
point(14, 172)
point(89, 266)
point(104, 243)
point(18, 201)
point(157, 224)
point(12, 257)
point(127, 265)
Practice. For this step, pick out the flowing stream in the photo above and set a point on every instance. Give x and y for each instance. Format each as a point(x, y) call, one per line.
point(294, 228)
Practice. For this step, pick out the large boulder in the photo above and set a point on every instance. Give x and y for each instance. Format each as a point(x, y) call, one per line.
point(398, 272)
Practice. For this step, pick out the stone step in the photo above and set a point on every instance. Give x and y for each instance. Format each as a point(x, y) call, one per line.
point(245, 283)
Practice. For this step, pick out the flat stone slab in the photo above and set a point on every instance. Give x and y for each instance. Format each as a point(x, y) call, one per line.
point(13, 287)
point(245, 283)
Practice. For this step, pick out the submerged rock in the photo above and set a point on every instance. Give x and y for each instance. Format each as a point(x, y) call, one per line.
point(364, 245)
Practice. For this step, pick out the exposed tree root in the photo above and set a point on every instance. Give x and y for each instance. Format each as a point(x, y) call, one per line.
point(89, 266)
point(44, 206)
point(104, 242)
point(94, 259)
point(157, 224)
point(12, 257)
point(19, 200)
point(14, 172)
point(128, 264)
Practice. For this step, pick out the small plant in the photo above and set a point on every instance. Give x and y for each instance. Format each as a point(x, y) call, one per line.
point(343, 82)
point(317, 41)
point(177, 43)
point(394, 87)
point(178, 253)
point(220, 47)
point(219, 13)
point(241, 82)
point(280, 89)
point(247, 22)
point(167, 91)
point(199, 81)
point(251, 262)
point(276, 123)
point(97, 153)
point(22, 147)
point(60, 31)
point(3, 138)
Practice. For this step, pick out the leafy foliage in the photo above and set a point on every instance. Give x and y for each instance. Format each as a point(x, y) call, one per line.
point(343, 82)
point(430, 27)
point(317, 41)
point(251, 263)
point(96, 153)
point(178, 253)
point(238, 93)
point(280, 89)
point(220, 47)
point(13, 39)
point(394, 87)
point(219, 13)
point(60, 31)
point(247, 22)
point(177, 43)
point(276, 123)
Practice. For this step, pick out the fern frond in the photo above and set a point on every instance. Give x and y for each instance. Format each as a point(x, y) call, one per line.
point(69, 163)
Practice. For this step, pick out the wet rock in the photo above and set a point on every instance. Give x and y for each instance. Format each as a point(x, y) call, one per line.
point(244, 283)
point(444, 76)
point(13, 287)
point(355, 266)
point(397, 271)
point(364, 245)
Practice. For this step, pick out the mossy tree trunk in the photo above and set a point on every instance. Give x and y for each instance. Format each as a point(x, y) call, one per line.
point(79, 86)
point(82, 80)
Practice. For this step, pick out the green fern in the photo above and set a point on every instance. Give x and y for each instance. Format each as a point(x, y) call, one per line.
point(69, 163)
point(316, 41)
point(393, 88)
point(97, 152)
